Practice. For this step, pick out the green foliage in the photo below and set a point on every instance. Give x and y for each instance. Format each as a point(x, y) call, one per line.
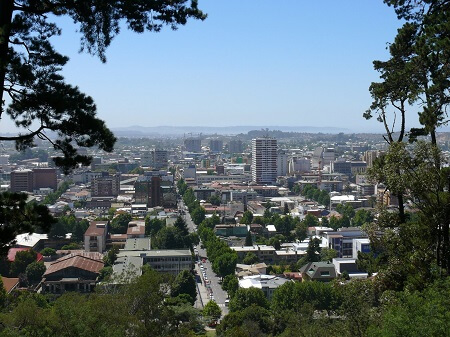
point(182, 186)
point(345, 210)
point(212, 310)
point(153, 226)
point(291, 296)
point(79, 229)
point(119, 224)
point(51, 198)
point(248, 239)
point(225, 264)
point(214, 200)
point(230, 284)
point(169, 238)
point(111, 256)
point(22, 260)
point(198, 215)
point(137, 170)
point(362, 217)
point(247, 218)
point(48, 251)
point(105, 273)
point(18, 217)
point(328, 254)
point(71, 246)
point(185, 284)
point(251, 321)
point(3, 295)
point(415, 313)
point(311, 221)
point(313, 250)
point(244, 298)
point(312, 192)
point(284, 224)
point(34, 271)
point(358, 299)
point(250, 258)
point(180, 224)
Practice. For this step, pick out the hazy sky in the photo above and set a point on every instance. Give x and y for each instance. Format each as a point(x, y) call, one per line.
point(251, 62)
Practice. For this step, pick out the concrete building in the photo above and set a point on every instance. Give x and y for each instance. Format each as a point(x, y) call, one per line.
point(159, 158)
point(22, 181)
point(264, 160)
point(147, 190)
point(267, 283)
point(193, 144)
point(282, 163)
point(216, 145)
point(95, 236)
point(137, 253)
point(106, 186)
point(299, 165)
point(45, 178)
point(235, 146)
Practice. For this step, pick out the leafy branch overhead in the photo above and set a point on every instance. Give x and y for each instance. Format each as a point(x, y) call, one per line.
point(39, 100)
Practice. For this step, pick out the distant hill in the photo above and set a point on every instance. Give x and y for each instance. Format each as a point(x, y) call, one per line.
point(142, 131)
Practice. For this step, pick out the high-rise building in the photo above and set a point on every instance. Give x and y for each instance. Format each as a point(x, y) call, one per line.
point(193, 144)
point(235, 146)
point(45, 178)
point(22, 181)
point(282, 163)
point(159, 159)
point(264, 160)
point(215, 145)
point(147, 190)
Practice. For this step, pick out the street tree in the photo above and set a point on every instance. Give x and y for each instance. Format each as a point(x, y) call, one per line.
point(185, 284)
point(212, 310)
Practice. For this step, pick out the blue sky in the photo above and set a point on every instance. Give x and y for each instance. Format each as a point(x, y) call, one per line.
point(251, 62)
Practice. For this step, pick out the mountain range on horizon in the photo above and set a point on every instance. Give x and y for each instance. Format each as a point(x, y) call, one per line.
point(142, 131)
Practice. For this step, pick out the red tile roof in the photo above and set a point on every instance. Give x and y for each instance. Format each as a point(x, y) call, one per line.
point(13, 251)
point(96, 228)
point(90, 261)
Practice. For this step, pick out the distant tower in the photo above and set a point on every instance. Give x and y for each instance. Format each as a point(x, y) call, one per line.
point(264, 160)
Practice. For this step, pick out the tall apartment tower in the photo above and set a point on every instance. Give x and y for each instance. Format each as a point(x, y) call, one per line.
point(215, 145)
point(193, 144)
point(159, 159)
point(235, 146)
point(264, 160)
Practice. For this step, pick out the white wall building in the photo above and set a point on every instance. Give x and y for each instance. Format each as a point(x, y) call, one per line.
point(264, 160)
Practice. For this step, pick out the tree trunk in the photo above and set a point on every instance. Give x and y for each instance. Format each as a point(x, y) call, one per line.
point(6, 9)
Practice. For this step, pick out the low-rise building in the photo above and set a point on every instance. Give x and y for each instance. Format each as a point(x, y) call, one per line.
point(318, 271)
point(95, 236)
point(73, 272)
point(267, 283)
